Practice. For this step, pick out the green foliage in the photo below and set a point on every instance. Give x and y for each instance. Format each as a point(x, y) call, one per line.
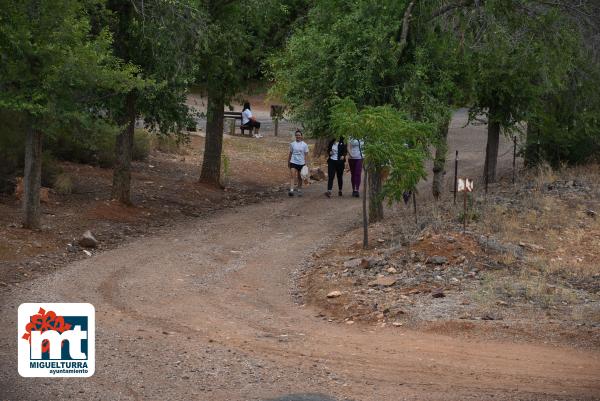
point(516, 59)
point(237, 38)
point(565, 127)
point(50, 169)
point(53, 66)
point(391, 140)
point(159, 38)
point(142, 144)
point(473, 209)
point(169, 144)
point(345, 49)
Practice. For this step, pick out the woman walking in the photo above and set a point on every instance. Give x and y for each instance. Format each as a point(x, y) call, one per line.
point(335, 164)
point(355, 162)
point(297, 158)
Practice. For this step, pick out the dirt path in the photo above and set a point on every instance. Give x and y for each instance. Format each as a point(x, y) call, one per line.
point(205, 312)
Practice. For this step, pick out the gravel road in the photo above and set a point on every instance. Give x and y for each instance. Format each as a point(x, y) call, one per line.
point(205, 311)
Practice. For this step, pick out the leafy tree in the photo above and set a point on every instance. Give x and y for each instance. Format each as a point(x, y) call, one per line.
point(434, 83)
point(518, 54)
point(376, 53)
point(51, 70)
point(238, 37)
point(565, 125)
point(392, 141)
point(160, 38)
point(344, 49)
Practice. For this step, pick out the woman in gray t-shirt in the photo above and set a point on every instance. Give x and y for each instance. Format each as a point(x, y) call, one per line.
point(297, 159)
point(355, 159)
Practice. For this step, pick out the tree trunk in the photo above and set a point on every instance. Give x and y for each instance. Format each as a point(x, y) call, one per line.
point(375, 201)
point(320, 147)
point(439, 162)
point(491, 150)
point(32, 178)
point(121, 188)
point(213, 147)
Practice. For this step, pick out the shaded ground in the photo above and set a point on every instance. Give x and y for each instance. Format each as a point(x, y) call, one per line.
point(165, 192)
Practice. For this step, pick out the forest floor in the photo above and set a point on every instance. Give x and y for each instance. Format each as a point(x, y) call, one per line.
point(525, 269)
point(211, 295)
point(165, 192)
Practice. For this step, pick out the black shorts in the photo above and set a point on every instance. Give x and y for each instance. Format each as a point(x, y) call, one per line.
point(296, 166)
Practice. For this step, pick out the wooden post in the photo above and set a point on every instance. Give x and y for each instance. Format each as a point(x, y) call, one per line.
point(455, 176)
point(464, 211)
point(514, 158)
point(276, 115)
point(365, 216)
point(414, 196)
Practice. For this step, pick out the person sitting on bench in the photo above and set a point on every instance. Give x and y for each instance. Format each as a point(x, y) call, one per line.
point(249, 121)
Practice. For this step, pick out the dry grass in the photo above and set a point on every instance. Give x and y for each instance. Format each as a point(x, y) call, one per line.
point(528, 286)
point(560, 237)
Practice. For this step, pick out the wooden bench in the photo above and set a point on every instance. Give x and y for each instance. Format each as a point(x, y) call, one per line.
point(235, 115)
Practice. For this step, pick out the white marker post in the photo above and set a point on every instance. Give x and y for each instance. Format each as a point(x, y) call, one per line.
point(465, 185)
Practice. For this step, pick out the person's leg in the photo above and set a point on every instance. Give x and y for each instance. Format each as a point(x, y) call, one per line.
point(248, 127)
point(254, 126)
point(292, 180)
point(358, 173)
point(330, 174)
point(299, 190)
point(351, 163)
point(340, 175)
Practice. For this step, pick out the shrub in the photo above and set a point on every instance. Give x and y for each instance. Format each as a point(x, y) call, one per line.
point(142, 145)
point(170, 144)
point(225, 166)
point(50, 169)
point(63, 184)
point(96, 148)
point(566, 126)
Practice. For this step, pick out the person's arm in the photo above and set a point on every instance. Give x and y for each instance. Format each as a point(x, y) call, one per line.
point(306, 156)
point(251, 116)
point(289, 156)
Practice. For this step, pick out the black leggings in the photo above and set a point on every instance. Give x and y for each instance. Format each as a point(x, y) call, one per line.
point(252, 124)
point(335, 167)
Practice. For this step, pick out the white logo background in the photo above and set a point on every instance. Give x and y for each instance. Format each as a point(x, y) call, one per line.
point(61, 309)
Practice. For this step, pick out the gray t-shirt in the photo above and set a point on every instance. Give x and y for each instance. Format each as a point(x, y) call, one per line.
point(246, 116)
point(354, 148)
point(333, 155)
point(298, 150)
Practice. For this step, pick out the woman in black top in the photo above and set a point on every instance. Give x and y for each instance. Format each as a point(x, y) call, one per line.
point(335, 164)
